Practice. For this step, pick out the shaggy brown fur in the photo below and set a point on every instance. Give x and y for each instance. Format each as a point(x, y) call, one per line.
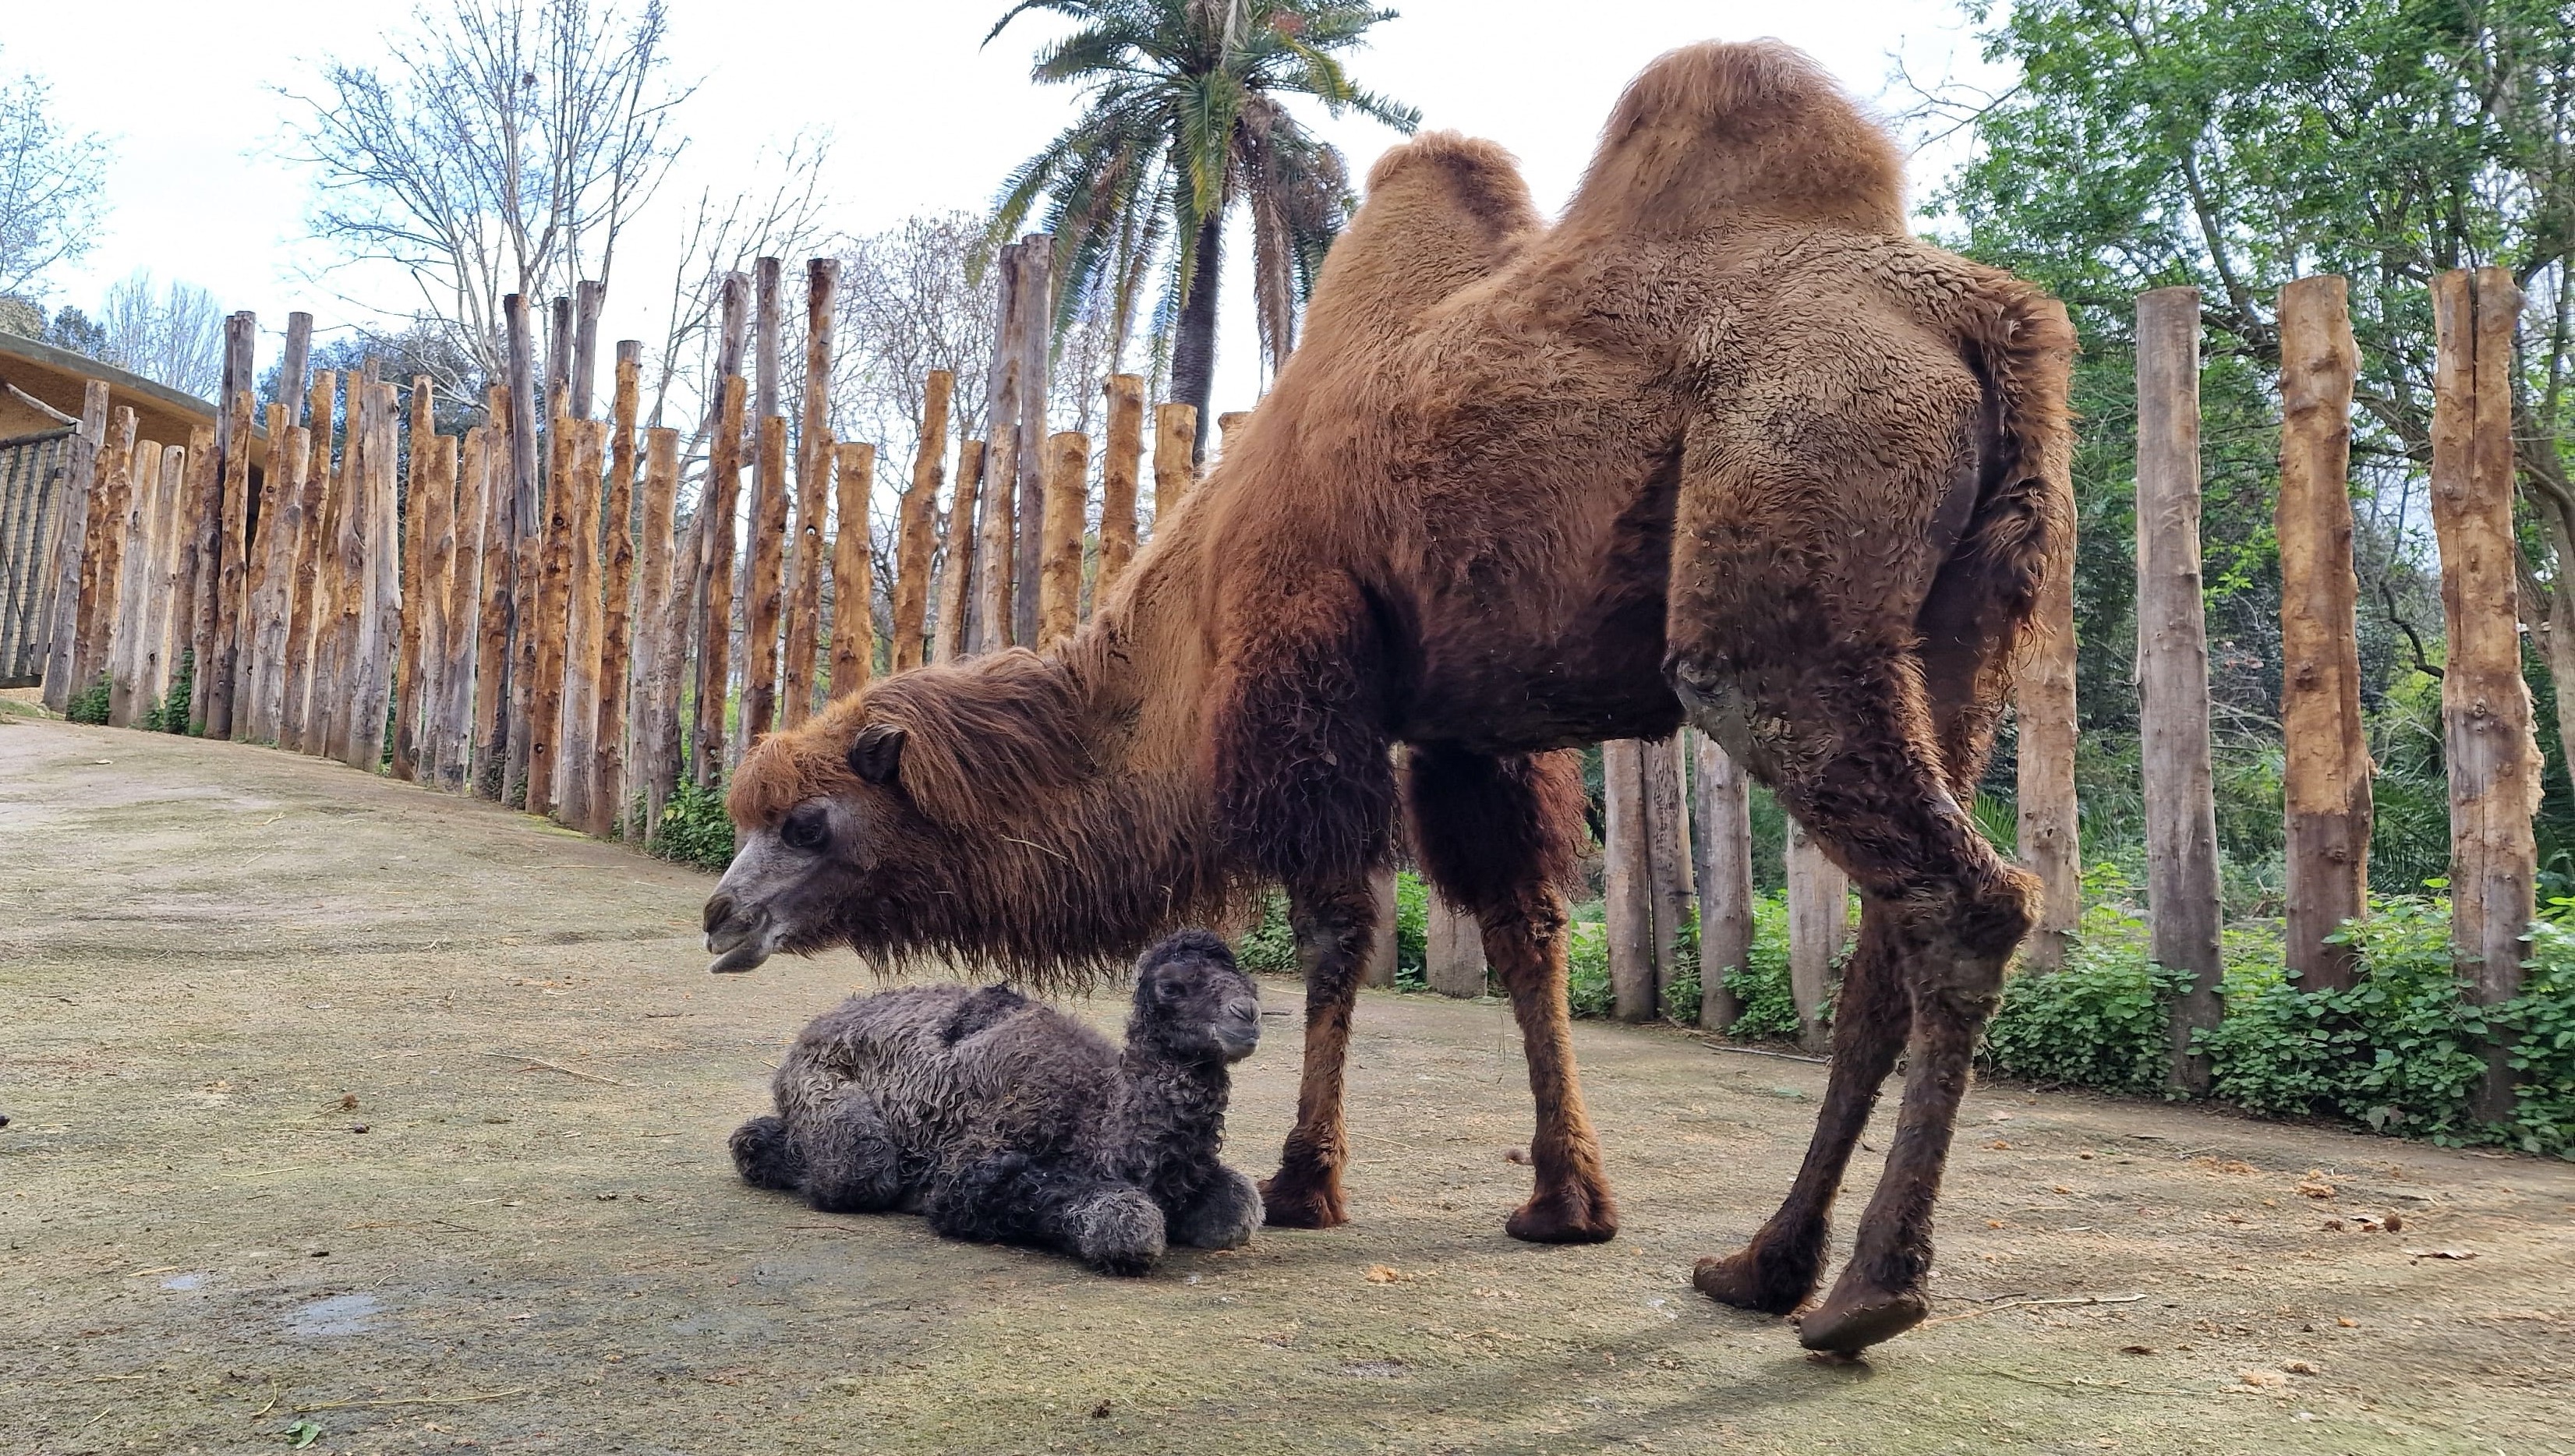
point(1726, 442)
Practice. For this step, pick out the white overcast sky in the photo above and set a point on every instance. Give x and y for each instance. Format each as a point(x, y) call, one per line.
point(923, 117)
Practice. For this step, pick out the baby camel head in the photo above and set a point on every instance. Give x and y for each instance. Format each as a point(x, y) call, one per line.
point(1192, 1002)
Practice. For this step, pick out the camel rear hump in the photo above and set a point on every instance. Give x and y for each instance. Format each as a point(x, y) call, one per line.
point(1724, 133)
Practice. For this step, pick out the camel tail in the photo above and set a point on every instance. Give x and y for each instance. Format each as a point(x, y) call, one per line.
point(1725, 133)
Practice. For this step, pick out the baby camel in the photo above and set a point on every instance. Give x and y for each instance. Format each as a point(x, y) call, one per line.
point(1007, 1121)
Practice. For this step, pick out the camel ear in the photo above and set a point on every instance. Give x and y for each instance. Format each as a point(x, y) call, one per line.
point(876, 752)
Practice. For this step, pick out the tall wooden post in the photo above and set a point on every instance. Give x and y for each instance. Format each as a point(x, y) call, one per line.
point(715, 645)
point(588, 297)
point(2051, 830)
point(425, 600)
point(1667, 834)
point(169, 573)
point(807, 555)
point(335, 654)
point(312, 611)
point(1036, 313)
point(918, 525)
point(200, 500)
point(767, 345)
point(232, 573)
point(585, 623)
point(1175, 433)
point(1118, 470)
point(495, 563)
point(1067, 494)
point(522, 525)
point(466, 463)
point(2485, 704)
point(1818, 928)
point(281, 530)
point(2172, 671)
point(957, 573)
point(612, 799)
point(129, 589)
point(382, 629)
point(552, 609)
point(2325, 778)
point(661, 602)
point(762, 589)
point(1452, 950)
point(71, 540)
point(424, 430)
point(995, 552)
point(854, 627)
point(1628, 888)
point(1724, 797)
point(294, 366)
point(1379, 970)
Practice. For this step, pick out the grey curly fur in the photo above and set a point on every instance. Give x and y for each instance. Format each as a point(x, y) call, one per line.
point(1005, 1120)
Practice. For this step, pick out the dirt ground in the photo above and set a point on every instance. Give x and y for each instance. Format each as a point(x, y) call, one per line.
point(342, 1106)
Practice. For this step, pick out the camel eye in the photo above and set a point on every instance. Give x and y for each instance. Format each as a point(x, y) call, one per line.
point(807, 829)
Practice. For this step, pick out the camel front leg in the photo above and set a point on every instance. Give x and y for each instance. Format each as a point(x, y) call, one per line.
point(1525, 944)
point(1334, 923)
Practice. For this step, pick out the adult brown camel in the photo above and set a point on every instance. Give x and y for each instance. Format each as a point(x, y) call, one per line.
point(1724, 443)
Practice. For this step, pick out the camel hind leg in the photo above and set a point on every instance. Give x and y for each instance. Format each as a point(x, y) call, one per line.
point(1869, 723)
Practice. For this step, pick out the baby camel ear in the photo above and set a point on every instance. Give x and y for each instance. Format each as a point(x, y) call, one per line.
point(876, 752)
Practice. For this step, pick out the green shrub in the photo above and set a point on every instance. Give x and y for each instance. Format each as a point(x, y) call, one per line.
point(1269, 944)
point(695, 828)
point(170, 714)
point(2541, 1022)
point(1586, 968)
point(88, 704)
point(1769, 1006)
point(2103, 1020)
point(1412, 933)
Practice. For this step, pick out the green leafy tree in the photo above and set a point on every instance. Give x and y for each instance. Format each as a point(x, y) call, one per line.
point(2235, 145)
point(1184, 117)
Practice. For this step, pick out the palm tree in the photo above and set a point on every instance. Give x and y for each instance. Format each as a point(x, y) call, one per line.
point(1184, 118)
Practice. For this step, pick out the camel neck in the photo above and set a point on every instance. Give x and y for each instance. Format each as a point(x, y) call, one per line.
point(1171, 1113)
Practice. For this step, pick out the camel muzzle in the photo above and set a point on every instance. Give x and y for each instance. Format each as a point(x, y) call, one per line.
point(739, 938)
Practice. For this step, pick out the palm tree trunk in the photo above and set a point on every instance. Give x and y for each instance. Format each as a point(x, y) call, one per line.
point(1193, 352)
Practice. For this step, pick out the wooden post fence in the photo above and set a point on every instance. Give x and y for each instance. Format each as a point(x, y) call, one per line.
point(2049, 828)
point(612, 795)
point(1628, 900)
point(1452, 951)
point(1119, 473)
point(1723, 799)
point(917, 526)
point(854, 632)
point(1818, 930)
point(2493, 758)
point(1066, 495)
point(762, 587)
point(2325, 775)
point(957, 573)
point(1175, 433)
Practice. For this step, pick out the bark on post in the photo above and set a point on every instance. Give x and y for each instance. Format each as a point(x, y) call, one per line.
point(199, 493)
point(128, 591)
point(762, 589)
point(425, 600)
point(808, 553)
point(492, 617)
point(382, 628)
point(2325, 779)
point(995, 552)
point(1175, 433)
point(308, 623)
point(344, 572)
point(611, 799)
point(1818, 928)
point(231, 575)
point(1667, 834)
point(1067, 494)
point(281, 533)
point(656, 753)
point(2172, 671)
point(104, 561)
point(71, 544)
point(2485, 704)
point(522, 525)
point(1379, 970)
point(715, 645)
point(2050, 827)
point(1723, 799)
point(1628, 880)
point(1036, 301)
point(460, 678)
point(767, 323)
point(918, 526)
point(167, 634)
point(553, 614)
point(854, 632)
point(424, 430)
point(1452, 951)
point(1118, 470)
point(576, 740)
point(292, 368)
point(587, 300)
point(956, 571)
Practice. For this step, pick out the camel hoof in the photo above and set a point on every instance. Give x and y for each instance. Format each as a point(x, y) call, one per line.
point(1746, 1281)
point(1298, 1204)
point(1565, 1217)
point(1851, 1323)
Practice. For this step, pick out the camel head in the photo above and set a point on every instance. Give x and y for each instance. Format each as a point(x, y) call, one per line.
point(955, 813)
point(822, 836)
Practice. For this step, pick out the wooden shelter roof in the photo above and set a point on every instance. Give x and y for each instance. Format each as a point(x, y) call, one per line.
point(55, 377)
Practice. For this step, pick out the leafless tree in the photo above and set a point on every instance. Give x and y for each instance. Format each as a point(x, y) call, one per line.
point(778, 214)
point(170, 333)
point(501, 145)
point(51, 193)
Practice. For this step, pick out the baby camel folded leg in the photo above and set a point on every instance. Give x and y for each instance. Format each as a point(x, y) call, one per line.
point(1011, 1197)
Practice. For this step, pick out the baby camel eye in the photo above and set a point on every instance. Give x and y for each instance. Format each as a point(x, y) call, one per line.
point(807, 829)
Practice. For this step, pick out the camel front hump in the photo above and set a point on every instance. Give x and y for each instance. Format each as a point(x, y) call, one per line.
point(1005, 1120)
